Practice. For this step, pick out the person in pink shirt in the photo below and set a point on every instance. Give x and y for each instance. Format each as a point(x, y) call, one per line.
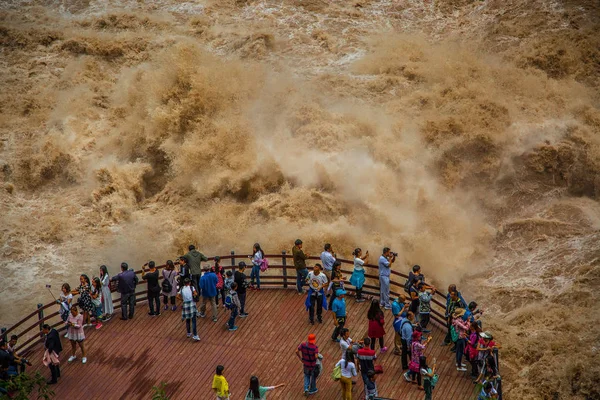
point(75, 334)
point(461, 327)
point(417, 349)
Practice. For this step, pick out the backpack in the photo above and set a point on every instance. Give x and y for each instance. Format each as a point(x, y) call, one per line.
point(407, 285)
point(434, 380)
point(264, 265)
point(166, 286)
point(453, 334)
point(228, 301)
point(219, 279)
point(337, 373)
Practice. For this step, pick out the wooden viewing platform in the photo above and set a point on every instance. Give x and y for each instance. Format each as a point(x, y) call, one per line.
point(127, 358)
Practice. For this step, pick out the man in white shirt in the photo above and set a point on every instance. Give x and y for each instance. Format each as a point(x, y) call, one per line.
point(316, 295)
point(327, 259)
point(385, 264)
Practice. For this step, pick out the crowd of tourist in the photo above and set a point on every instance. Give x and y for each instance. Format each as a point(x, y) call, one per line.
point(193, 284)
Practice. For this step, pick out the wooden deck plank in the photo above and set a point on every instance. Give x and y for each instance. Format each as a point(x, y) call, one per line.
point(127, 358)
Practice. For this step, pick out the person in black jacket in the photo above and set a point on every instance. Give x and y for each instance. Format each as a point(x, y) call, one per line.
point(151, 276)
point(52, 344)
point(127, 280)
point(241, 279)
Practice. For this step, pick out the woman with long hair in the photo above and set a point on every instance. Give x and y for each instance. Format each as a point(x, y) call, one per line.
point(257, 257)
point(358, 274)
point(170, 275)
point(348, 367)
point(256, 392)
point(107, 301)
point(66, 299)
point(96, 294)
point(376, 325)
point(85, 298)
point(75, 334)
point(429, 376)
point(337, 281)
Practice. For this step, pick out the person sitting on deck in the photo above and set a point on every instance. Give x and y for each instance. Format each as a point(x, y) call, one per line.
point(18, 366)
point(316, 294)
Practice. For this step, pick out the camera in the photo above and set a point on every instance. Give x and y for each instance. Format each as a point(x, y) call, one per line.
point(393, 254)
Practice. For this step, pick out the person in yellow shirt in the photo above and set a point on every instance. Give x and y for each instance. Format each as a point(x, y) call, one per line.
point(220, 385)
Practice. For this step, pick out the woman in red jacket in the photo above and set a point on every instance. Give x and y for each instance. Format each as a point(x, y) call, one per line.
point(376, 325)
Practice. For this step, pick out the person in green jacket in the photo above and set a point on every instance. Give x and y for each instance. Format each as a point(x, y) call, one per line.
point(300, 263)
point(194, 259)
point(257, 392)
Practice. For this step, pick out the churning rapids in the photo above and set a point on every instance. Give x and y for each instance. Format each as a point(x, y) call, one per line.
point(463, 134)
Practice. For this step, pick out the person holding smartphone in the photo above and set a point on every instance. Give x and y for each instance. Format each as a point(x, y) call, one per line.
point(75, 334)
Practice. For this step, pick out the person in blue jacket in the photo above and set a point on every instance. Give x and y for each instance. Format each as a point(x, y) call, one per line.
point(208, 286)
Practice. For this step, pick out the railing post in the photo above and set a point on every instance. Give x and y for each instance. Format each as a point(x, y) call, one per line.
point(3, 334)
point(284, 263)
point(499, 386)
point(40, 315)
point(232, 261)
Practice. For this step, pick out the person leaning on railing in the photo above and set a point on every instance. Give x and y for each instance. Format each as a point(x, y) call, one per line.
point(194, 258)
point(300, 264)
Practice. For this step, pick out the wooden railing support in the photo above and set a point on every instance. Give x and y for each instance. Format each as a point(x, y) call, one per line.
point(40, 307)
point(499, 388)
point(3, 334)
point(232, 261)
point(284, 263)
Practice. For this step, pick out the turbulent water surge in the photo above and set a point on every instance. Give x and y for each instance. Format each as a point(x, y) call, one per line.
point(463, 134)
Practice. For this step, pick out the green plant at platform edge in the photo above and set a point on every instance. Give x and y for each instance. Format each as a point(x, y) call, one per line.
point(23, 385)
point(159, 392)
